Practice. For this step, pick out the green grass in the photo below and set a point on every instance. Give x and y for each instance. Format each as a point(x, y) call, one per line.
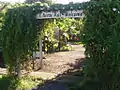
point(24, 83)
point(76, 43)
point(28, 83)
point(0, 76)
point(66, 48)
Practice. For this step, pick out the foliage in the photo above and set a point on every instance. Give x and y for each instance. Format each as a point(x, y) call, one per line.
point(101, 36)
point(66, 48)
point(20, 30)
point(18, 38)
point(75, 30)
point(2, 12)
point(24, 83)
point(76, 43)
point(50, 33)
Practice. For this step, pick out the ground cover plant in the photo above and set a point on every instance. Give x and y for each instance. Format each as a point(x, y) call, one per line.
point(25, 83)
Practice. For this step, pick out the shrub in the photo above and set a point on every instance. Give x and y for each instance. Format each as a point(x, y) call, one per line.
point(101, 38)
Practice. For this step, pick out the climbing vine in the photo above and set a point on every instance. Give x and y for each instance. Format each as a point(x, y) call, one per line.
point(20, 30)
point(19, 33)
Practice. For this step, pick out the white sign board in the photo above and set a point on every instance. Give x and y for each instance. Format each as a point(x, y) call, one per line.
point(58, 14)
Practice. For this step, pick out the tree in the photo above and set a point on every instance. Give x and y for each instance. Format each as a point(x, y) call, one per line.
point(100, 37)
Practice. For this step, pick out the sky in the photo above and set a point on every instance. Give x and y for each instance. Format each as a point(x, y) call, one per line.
point(57, 1)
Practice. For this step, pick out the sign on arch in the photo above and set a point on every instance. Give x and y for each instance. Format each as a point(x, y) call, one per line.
point(60, 14)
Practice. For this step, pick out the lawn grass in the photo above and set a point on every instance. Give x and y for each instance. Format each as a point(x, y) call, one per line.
point(28, 83)
point(76, 42)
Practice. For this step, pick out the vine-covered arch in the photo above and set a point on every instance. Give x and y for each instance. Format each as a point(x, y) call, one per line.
point(100, 37)
point(21, 28)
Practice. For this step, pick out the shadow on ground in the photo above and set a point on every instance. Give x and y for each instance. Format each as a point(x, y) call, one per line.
point(5, 83)
point(65, 80)
point(2, 63)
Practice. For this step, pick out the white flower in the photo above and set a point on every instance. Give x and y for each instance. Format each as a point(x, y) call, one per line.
point(33, 9)
point(71, 7)
point(114, 9)
point(79, 7)
point(63, 8)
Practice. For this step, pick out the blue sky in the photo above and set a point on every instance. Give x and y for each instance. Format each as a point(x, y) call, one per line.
point(57, 1)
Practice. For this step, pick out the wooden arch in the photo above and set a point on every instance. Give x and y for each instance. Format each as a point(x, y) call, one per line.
point(70, 10)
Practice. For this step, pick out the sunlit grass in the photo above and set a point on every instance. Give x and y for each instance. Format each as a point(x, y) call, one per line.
point(0, 76)
point(76, 43)
point(25, 83)
point(28, 83)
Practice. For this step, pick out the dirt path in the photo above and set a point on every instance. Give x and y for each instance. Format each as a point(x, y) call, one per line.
point(57, 63)
point(61, 61)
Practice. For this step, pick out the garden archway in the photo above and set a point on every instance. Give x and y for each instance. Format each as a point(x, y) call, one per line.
point(19, 38)
point(63, 12)
point(100, 36)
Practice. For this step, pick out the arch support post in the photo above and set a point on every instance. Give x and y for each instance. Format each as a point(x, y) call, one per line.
point(40, 50)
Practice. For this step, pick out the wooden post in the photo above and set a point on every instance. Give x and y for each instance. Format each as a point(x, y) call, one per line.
point(19, 73)
point(59, 39)
point(40, 50)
